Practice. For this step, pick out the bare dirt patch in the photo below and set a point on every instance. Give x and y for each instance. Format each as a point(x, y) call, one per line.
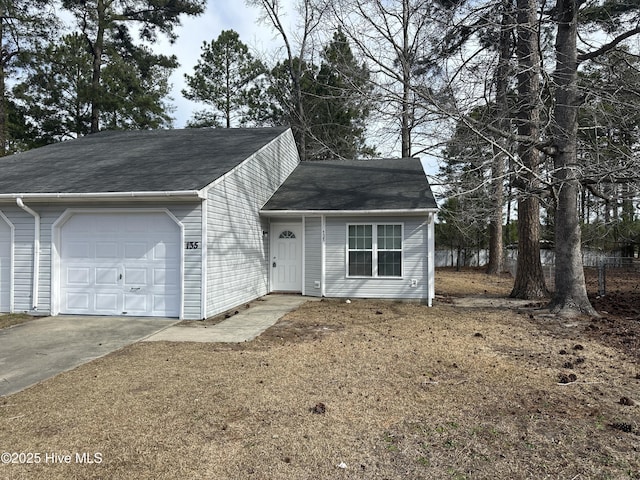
point(370, 389)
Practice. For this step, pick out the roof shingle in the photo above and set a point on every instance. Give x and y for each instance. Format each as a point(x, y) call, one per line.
point(132, 161)
point(358, 185)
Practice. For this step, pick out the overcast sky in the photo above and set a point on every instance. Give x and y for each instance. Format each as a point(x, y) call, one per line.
point(218, 16)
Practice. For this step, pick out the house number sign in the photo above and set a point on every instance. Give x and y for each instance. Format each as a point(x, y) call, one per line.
point(193, 245)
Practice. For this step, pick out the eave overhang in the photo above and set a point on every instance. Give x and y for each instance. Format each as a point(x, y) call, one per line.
point(54, 197)
point(348, 213)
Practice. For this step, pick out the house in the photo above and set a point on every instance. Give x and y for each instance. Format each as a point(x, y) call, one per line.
point(190, 223)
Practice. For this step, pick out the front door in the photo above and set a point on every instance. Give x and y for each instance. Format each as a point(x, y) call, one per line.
point(286, 257)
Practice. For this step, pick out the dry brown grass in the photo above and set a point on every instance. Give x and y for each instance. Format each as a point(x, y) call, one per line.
point(410, 392)
point(11, 319)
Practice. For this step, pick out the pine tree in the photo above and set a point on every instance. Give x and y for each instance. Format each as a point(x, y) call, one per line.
point(227, 78)
point(106, 28)
point(57, 96)
point(24, 24)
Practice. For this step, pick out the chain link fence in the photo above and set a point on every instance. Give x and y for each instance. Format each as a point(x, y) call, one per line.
point(596, 264)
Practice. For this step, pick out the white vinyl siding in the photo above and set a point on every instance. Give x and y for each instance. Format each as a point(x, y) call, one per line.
point(187, 213)
point(6, 242)
point(413, 284)
point(237, 237)
point(22, 257)
point(313, 257)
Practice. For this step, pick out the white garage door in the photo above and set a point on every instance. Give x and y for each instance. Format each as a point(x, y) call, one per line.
point(5, 266)
point(120, 264)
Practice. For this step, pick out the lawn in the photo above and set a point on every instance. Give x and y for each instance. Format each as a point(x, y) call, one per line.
point(10, 319)
point(360, 390)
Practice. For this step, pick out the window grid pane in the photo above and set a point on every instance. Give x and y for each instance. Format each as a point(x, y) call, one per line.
point(360, 264)
point(389, 250)
point(360, 237)
point(390, 264)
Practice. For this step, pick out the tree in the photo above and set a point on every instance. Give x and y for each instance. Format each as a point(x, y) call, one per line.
point(295, 63)
point(226, 79)
point(105, 25)
point(393, 38)
point(468, 187)
point(529, 282)
point(495, 264)
point(57, 95)
point(23, 25)
point(459, 229)
point(570, 295)
point(608, 142)
point(337, 104)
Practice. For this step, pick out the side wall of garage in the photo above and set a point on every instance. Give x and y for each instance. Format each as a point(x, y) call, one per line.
point(188, 214)
point(237, 238)
point(6, 260)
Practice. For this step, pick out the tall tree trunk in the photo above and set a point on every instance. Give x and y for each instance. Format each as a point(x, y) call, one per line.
point(3, 100)
point(227, 100)
point(529, 282)
point(97, 48)
point(496, 250)
point(570, 293)
point(405, 62)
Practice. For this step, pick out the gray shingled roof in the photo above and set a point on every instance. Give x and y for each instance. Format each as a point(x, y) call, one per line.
point(132, 161)
point(390, 184)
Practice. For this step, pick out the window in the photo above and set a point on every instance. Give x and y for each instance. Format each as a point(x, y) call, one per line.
point(287, 234)
point(360, 250)
point(389, 250)
point(375, 255)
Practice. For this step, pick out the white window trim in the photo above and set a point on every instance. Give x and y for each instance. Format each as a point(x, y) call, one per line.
point(374, 250)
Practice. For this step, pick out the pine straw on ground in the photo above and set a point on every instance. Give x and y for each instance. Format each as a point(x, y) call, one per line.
point(370, 389)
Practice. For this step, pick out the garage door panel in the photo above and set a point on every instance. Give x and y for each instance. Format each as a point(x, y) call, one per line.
point(133, 251)
point(107, 276)
point(107, 224)
point(135, 276)
point(106, 250)
point(159, 303)
point(165, 278)
point(129, 264)
point(78, 276)
point(106, 302)
point(162, 251)
point(77, 301)
point(79, 250)
point(136, 304)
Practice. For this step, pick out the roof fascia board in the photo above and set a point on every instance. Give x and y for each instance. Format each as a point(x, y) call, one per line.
point(318, 213)
point(178, 194)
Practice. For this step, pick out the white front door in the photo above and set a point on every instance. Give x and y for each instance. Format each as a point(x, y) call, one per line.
point(286, 257)
point(120, 264)
point(5, 266)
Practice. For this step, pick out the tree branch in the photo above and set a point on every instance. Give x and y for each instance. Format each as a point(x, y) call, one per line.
point(609, 46)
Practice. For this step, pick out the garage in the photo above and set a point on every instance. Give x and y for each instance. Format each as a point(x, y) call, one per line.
point(120, 263)
point(5, 265)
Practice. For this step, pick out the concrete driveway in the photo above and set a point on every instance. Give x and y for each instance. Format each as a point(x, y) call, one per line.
point(34, 351)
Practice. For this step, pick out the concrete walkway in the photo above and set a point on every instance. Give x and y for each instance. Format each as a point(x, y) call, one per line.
point(246, 325)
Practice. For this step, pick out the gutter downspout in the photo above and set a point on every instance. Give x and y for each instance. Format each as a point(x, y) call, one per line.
point(36, 251)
